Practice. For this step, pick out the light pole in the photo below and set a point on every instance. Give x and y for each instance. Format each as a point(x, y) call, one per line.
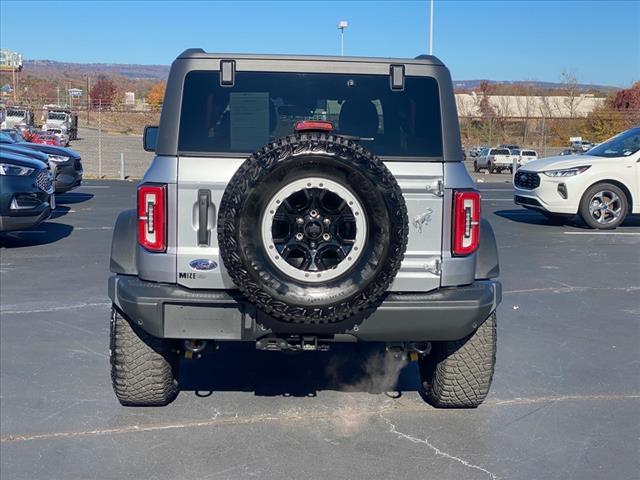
point(342, 24)
point(430, 27)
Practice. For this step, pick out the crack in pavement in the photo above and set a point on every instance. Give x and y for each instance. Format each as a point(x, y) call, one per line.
point(55, 309)
point(570, 289)
point(436, 450)
point(300, 415)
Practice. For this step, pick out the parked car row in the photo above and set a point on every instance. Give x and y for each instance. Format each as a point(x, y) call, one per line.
point(31, 173)
point(499, 159)
point(601, 185)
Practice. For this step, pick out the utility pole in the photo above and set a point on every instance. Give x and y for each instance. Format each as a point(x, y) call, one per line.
point(430, 27)
point(88, 97)
point(100, 138)
point(342, 24)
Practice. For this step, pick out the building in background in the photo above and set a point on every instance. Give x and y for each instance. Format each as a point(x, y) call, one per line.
point(10, 61)
point(130, 98)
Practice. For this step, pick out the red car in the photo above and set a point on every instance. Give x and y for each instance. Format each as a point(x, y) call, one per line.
point(45, 138)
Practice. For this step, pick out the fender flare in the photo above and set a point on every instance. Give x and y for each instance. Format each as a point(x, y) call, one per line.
point(487, 262)
point(124, 247)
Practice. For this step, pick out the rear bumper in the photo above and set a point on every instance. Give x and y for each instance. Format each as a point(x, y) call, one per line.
point(171, 311)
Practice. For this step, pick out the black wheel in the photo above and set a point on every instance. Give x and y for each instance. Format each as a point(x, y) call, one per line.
point(312, 230)
point(144, 369)
point(458, 374)
point(603, 206)
point(475, 166)
point(490, 168)
point(511, 169)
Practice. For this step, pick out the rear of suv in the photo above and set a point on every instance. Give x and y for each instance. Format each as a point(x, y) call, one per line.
point(299, 201)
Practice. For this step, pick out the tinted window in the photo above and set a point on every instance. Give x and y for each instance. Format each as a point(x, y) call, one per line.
point(499, 151)
point(529, 153)
point(261, 107)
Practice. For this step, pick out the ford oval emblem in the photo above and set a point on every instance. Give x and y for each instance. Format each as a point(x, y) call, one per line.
point(202, 264)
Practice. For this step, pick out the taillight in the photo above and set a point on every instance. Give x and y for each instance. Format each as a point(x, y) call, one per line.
point(152, 217)
point(466, 222)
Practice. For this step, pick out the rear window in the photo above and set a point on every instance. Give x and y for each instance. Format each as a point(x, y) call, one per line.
point(500, 151)
point(261, 107)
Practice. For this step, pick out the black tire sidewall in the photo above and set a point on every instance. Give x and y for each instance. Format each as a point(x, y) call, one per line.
point(243, 249)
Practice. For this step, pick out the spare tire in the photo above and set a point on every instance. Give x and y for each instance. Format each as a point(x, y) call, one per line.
point(312, 229)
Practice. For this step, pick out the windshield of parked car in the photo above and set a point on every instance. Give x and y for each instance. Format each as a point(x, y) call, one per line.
point(6, 138)
point(499, 151)
point(622, 145)
point(15, 113)
point(263, 106)
point(56, 116)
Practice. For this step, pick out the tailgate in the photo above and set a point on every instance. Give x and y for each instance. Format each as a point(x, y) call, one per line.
point(200, 190)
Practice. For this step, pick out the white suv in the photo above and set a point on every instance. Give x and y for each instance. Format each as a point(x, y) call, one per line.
point(602, 185)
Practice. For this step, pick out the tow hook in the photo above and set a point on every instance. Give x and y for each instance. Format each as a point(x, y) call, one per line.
point(194, 348)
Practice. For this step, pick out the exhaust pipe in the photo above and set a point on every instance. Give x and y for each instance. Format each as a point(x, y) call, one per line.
point(194, 347)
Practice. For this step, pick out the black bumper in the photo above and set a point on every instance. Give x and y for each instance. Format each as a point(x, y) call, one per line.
point(67, 177)
point(172, 311)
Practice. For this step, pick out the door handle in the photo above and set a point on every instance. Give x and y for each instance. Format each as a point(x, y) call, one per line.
point(204, 197)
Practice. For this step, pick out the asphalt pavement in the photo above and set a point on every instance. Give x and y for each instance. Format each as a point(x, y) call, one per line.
point(565, 401)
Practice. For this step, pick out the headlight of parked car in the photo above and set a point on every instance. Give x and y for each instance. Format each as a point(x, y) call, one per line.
point(9, 169)
point(566, 172)
point(58, 158)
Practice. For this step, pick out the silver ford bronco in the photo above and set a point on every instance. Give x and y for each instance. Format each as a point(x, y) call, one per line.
point(298, 201)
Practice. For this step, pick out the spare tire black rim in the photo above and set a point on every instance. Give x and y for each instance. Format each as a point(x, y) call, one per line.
point(314, 229)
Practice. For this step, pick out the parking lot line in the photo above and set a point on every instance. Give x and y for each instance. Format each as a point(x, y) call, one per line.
point(602, 233)
point(94, 186)
point(303, 415)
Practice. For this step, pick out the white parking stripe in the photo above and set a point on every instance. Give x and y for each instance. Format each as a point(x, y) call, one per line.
point(94, 186)
point(602, 233)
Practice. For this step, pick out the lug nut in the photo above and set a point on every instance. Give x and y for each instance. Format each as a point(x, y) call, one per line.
point(326, 221)
point(326, 237)
point(299, 236)
point(313, 213)
point(299, 220)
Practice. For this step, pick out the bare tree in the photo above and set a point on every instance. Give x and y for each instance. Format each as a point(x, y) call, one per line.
point(570, 89)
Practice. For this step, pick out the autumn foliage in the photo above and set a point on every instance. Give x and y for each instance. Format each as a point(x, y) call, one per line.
point(156, 95)
point(103, 93)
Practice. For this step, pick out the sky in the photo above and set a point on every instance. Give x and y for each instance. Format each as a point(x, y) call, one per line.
point(599, 41)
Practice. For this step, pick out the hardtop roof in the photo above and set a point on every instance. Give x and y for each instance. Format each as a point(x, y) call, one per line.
point(198, 53)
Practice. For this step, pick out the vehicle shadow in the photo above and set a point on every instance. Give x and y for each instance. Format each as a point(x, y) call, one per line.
point(60, 211)
point(240, 367)
point(533, 217)
point(69, 198)
point(42, 234)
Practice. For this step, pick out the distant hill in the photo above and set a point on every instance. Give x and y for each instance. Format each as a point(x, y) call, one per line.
point(48, 80)
point(47, 68)
point(467, 85)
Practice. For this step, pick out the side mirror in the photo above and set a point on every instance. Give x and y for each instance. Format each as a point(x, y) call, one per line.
point(150, 138)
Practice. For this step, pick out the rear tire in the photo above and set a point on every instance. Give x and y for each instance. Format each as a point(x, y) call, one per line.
point(475, 166)
point(490, 168)
point(144, 369)
point(458, 374)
